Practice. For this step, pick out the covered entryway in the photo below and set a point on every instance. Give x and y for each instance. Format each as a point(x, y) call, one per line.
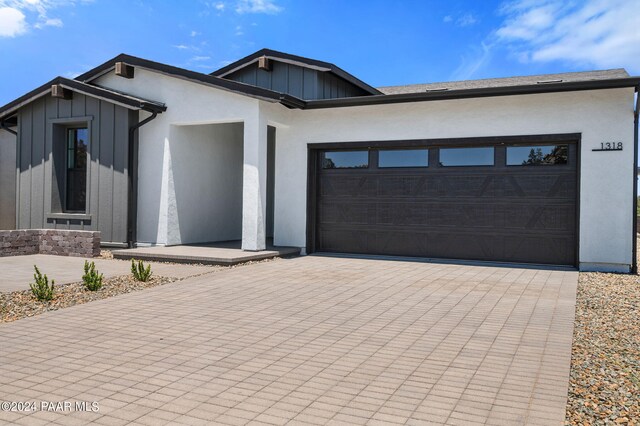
point(489, 199)
point(206, 183)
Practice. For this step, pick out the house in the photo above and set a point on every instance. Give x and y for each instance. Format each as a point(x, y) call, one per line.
point(537, 169)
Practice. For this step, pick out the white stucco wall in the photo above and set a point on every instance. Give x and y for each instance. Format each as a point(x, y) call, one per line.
point(207, 182)
point(606, 182)
point(187, 103)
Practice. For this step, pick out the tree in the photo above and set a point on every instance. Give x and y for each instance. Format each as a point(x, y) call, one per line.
point(535, 157)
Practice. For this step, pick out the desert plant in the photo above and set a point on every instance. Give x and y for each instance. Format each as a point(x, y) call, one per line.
point(140, 273)
point(92, 278)
point(41, 288)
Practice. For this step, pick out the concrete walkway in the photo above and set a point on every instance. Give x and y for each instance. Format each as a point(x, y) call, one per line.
point(17, 271)
point(312, 340)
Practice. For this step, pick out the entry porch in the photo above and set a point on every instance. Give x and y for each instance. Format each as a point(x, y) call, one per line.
point(225, 253)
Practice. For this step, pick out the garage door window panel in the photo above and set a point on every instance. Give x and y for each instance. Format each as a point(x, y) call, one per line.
point(467, 157)
point(403, 158)
point(345, 160)
point(537, 155)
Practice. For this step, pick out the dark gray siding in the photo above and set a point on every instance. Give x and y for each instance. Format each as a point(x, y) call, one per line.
point(7, 180)
point(271, 177)
point(331, 86)
point(41, 165)
point(301, 82)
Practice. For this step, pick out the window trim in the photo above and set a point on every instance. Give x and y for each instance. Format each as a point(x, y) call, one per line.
point(56, 150)
point(69, 216)
point(67, 129)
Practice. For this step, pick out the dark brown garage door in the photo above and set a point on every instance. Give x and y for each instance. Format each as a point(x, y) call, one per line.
point(512, 201)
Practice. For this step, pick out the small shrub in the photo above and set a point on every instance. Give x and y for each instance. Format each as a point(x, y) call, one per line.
point(41, 288)
point(140, 273)
point(91, 278)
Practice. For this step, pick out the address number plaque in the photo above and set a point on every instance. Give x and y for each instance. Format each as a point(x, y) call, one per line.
point(609, 146)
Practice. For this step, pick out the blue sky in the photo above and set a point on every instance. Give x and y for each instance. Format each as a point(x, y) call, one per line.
point(381, 42)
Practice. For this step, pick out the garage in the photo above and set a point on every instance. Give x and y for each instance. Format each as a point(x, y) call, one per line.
point(507, 199)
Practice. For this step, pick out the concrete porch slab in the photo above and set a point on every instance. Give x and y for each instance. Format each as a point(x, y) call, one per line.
point(222, 253)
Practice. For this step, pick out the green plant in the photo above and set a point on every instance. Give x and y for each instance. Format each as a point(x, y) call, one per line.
point(41, 288)
point(91, 278)
point(140, 273)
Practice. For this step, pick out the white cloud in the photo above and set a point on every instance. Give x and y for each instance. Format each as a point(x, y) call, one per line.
point(219, 6)
point(466, 20)
point(586, 34)
point(12, 22)
point(595, 33)
point(463, 20)
point(258, 6)
point(49, 22)
point(200, 58)
point(189, 47)
point(470, 64)
point(239, 31)
point(194, 33)
point(17, 16)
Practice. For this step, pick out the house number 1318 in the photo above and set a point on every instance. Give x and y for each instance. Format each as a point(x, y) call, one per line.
point(611, 146)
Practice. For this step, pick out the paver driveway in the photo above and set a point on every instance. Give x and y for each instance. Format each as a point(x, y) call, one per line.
point(313, 339)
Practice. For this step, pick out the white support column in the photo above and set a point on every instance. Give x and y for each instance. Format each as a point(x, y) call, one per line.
point(254, 184)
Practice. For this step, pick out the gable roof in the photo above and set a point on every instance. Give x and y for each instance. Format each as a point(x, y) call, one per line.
point(548, 83)
point(295, 60)
point(507, 82)
point(220, 83)
point(123, 99)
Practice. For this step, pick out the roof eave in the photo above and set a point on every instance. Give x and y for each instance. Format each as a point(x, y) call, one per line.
point(475, 93)
point(126, 101)
point(292, 102)
point(213, 81)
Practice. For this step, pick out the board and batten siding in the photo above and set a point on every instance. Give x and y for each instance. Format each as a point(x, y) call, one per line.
point(107, 174)
point(7, 180)
point(301, 82)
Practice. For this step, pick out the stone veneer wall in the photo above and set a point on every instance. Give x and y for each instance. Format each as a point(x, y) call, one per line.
point(50, 241)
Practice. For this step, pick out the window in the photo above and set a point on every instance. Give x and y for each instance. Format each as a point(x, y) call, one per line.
point(403, 158)
point(537, 155)
point(76, 170)
point(466, 156)
point(345, 160)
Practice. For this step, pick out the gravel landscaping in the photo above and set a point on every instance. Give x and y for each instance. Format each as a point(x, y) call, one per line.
point(604, 386)
point(21, 304)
